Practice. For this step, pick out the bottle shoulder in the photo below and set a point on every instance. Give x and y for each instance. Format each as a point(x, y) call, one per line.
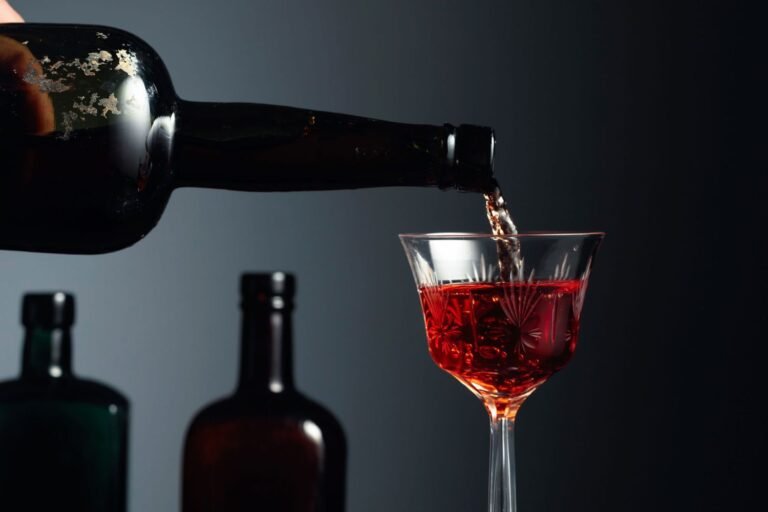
point(288, 406)
point(69, 389)
point(321, 415)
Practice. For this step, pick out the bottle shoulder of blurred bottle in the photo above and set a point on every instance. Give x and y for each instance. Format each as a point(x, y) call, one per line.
point(286, 409)
point(63, 445)
point(67, 389)
point(280, 451)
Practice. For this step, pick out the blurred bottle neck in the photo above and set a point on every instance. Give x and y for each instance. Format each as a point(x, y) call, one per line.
point(266, 357)
point(47, 353)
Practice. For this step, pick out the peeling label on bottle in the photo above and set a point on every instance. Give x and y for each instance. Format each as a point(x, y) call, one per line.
point(67, 120)
point(94, 61)
point(87, 108)
point(47, 85)
point(88, 97)
point(109, 105)
point(127, 62)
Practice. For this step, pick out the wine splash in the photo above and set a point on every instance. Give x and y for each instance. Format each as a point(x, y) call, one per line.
point(502, 225)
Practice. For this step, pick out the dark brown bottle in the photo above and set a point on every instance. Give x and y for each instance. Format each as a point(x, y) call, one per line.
point(93, 140)
point(267, 447)
point(63, 439)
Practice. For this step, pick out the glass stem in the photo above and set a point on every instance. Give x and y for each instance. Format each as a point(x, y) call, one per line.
point(501, 481)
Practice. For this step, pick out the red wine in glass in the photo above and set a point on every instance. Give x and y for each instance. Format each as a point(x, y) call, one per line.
point(502, 340)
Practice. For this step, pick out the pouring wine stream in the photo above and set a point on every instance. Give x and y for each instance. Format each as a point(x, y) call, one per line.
point(502, 225)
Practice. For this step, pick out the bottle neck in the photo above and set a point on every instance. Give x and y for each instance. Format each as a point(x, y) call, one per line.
point(266, 353)
point(47, 353)
point(257, 147)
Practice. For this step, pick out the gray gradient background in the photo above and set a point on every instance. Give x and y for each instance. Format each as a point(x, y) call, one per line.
point(600, 126)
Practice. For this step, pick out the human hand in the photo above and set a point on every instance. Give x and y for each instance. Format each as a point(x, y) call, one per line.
point(8, 14)
point(35, 106)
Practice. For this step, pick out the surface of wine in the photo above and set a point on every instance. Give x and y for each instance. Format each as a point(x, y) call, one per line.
point(502, 339)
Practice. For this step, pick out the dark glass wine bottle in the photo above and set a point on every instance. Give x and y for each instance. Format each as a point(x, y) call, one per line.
point(267, 447)
point(63, 440)
point(93, 140)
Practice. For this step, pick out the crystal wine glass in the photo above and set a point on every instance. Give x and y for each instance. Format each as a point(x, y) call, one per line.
point(502, 315)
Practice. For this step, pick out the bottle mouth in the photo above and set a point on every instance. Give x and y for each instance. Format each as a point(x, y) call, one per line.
point(281, 284)
point(470, 152)
point(273, 290)
point(49, 309)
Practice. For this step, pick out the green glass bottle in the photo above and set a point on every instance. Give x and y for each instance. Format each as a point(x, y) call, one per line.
point(63, 440)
